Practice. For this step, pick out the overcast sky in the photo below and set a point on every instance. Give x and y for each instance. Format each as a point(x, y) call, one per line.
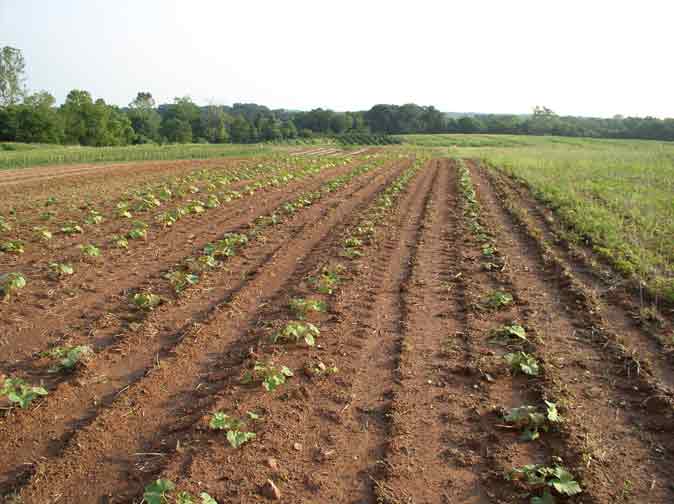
point(589, 57)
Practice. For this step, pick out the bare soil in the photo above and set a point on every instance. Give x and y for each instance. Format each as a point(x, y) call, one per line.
point(412, 408)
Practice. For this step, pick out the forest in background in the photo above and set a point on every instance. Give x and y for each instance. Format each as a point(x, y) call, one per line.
point(83, 120)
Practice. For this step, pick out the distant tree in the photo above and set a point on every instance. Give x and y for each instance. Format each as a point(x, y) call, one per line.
point(339, 123)
point(145, 120)
point(12, 79)
point(214, 123)
point(468, 124)
point(288, 129)
point(182, 113)
point(176, 130)
point(94, 123)
point(240, 130)
point(37, 121)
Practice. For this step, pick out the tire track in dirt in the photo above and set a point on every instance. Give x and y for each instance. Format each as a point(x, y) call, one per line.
point(102, 453)
point(642, 329)
point(81, 315)
point(434, 453)
point(358, 432)
point(607, 425)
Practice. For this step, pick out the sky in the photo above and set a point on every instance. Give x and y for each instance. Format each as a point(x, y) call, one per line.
point(591, 58)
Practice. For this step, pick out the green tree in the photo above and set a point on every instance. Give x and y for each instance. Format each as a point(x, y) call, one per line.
point(145, 120)
point(214, 121)
point(37, 120)
point(12, 68)
point(289, 130)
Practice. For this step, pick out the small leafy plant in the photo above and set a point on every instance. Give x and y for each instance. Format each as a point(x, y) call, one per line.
point(227, 247)
point(90, 250)
point(180, 280)
point(522, 362)
point(530, 420)
point(69, 357)
point(268, 374)
point(159, 492)
point(13, 247)
point(42, 233)
point(511, 333)
point(94, 218)
point(138, 231)
point(4, 225)
point(10, 283)
point(296, 332)
point(301, 306)
point(236, 436)
point(538, 477)
point(119, 241)
point(19, 392)
point(499, 299)
point(319, 369)
point(71, 229)
point(60, 270)
point(145, 301)
point(328, 279)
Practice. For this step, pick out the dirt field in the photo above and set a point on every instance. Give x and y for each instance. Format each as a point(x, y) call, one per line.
point(403, 398)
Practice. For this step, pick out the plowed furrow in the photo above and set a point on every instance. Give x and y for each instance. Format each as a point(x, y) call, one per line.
point(607, 423)
point(297, 427)
point(643, 329)
point(36, 328)
point(100, 458)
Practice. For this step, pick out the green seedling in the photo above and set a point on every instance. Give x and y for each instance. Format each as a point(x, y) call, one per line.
point(510, 333)
point(119, 241)
point(531, 421)
point(328, 280)
point(42, 233)
point(319, 369)
point(499, 299)
point(94, 218)
point(268, 374)
point(296, 332)
point(202, 263)
point(10, 283)
point(488, 251)
point(71, 229)
point(122, 210)
point(146, 301)
point(227, 247)
point(13, 247)
point(301, 307)
point(90, 250)
point(522, 362)
point(548, 478)
point(138, 231)
point(51, 200)
point(60, 270)
point(48, 215)
point(180, 280)
point(212, 201)
point(69, 357)
point(235, 436)
point(196, 207)
point(19, 392)
point(4, 225)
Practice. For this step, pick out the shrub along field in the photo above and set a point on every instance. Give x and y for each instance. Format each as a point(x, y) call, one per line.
point(467, 319)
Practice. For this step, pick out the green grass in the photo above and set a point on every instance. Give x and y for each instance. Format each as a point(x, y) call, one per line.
point(619, 193)
point(14, 155)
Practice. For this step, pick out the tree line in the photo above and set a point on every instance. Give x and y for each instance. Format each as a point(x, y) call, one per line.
point(81, 120)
